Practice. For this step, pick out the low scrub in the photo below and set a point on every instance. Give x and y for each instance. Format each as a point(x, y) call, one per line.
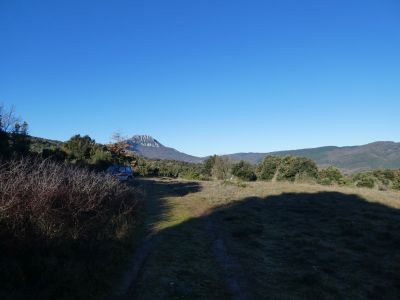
point(266, 170)
point(170, 168)
point(287, 168)
point(244, 171)
point(297, 168)
point(381, 179)
point(331, 176)
point(58, 222)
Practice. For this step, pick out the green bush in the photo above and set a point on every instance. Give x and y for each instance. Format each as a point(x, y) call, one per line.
point(208, 165)
point(267, 169)
point(384, 176)
point(364, 180)
point(83, 150)
point(292, 168)
point(396, 183)
point(169, 168)
point(244, 171)
point(289, 168)
point(330, 176)
point(79, 147)
point(100, 157)
point(193, 175)
point(382, 179)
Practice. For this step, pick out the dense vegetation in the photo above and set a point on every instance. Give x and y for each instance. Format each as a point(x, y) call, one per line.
point(14, 137)
point(297, 169)
point(51, 216)
point(381, 179)
point(65, 227)
point(83, 150)
point(244, 171)
point(169, 168)
point(287, 168)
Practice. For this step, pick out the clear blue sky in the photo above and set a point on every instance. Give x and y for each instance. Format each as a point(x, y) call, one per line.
point(205, 76)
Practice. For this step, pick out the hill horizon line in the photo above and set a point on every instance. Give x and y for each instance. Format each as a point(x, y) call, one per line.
point(267, 151)
point(355, 158)
point(374, 155)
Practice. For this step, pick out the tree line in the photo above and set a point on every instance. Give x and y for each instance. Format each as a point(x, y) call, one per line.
point(299, 169)
point(82, 150)
point(85, 151)
point(14, 137)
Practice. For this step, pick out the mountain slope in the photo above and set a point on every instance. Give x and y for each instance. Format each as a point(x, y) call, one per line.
point(353, 158)
point(149, 147)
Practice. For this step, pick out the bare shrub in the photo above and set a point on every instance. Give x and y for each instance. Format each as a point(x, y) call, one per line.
point(58, 201)
point(221, 169)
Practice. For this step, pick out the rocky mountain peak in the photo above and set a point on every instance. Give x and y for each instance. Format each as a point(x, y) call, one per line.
point(144, 140)
point(149, 147)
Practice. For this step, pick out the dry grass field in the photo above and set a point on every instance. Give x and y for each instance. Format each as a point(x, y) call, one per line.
point(224, 240)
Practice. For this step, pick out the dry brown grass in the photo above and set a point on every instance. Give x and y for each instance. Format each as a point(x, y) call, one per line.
point(57, 200)
point(220, 192)
point(64, 230)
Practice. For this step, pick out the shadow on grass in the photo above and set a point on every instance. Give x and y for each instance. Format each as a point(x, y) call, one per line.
point(73, 269)
point(324, 245)
point(156, 210)
point(319, 245)
point(158, 191)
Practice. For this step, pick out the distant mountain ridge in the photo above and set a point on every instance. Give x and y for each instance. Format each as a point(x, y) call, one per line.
point(376, 155)
point(350, 158)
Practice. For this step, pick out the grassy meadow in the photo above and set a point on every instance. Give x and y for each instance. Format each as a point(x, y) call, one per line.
point(269, 240)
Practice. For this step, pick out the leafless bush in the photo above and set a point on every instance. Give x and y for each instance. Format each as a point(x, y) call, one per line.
point(8, 118)
point(52, 200)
